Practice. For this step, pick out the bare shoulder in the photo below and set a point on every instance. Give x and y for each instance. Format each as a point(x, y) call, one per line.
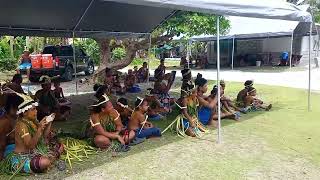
point(114, 113)
point(4, 124)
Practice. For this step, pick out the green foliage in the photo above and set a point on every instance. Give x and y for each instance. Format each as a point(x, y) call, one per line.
point(118, 53)
point(191, 24)
point(19, 44)
point(4, 48)
point(137, 62)
point(91, 47)
point(8, 64)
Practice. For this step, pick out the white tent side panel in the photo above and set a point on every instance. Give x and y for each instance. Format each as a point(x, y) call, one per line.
point(268, 9)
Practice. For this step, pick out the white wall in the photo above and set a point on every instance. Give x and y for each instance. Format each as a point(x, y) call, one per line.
point(277, 44)
point(305, 50)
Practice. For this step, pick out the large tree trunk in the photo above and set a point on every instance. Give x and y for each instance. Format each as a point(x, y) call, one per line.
point(131, 46)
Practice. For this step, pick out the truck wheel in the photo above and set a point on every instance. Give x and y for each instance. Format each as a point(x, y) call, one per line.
point(68, 73)
point(90, 69)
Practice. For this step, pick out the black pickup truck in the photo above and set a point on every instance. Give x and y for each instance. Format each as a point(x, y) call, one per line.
point(63, 63)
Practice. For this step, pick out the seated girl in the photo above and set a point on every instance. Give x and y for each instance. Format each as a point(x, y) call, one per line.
point(118, 85)
point(106, 125)
point(130, 83)
point(188, 104)
point(65, 104)
point(143, 73)
point(30, 135)
point(224, 113)
point(252, 103)
point(227, 102)
point(243, 93)
point(7, 124)
point(187, 122)
point(155, 110)
point(207, 105)
point(139, 121)
point(124, 110)
point(161, 90)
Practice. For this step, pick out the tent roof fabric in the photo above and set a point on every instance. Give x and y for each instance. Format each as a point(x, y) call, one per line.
point(268, 9)
point(60, 17)
point(242, 36)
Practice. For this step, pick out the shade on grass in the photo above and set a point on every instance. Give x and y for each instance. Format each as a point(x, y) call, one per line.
point(262, 142)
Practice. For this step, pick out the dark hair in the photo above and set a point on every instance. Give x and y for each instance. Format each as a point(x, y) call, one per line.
point(97, 109)
point(100, 90)
point(144, 63)
point(214, 90)
point(12, 101)
point(250, 88)
point(96, 87)
point(199, 75)
point(138, 102)
point(248, 83)
point(56, 81)
point(17, 77)
point(123, 101)
point(162, 60)
point(200, 82)
point(186, 88)
point(108, 72)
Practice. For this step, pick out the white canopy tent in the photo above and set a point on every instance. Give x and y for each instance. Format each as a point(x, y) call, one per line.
point(246, 8)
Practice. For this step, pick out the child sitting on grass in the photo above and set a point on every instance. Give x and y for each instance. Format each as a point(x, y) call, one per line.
point(130, 82)
point(243, 93)
point(155, 108)
point(124, 110)
point(252, 103)
point(227, 102)
point(139, 123)
point(224, 113)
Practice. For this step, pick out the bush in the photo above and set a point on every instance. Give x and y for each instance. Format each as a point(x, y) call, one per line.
point(92, 49)
point(118, 54)
point(8, 64)
point(138, 62)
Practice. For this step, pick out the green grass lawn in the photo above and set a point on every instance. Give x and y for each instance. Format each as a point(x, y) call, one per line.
point(154, 63)
point(280, 144)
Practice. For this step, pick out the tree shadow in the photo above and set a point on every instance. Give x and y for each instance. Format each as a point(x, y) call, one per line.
point(80, 113)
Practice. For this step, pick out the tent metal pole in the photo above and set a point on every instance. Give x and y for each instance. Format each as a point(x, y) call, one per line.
point(232, 57)
point(291, 49)
point(188, 54)
point(309, 83)
point(218, 80)
point(82, 16)
point(75, 63)
point(149, 53)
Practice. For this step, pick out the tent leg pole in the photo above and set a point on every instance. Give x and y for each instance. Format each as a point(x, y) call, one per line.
point(291, 49)
point(75, 63)
point(149, 53)
point(309, 83)
point(218, 79)
point(188, 54)
point(232, 57)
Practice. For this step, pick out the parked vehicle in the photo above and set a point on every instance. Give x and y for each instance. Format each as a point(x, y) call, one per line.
point(59, 60)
